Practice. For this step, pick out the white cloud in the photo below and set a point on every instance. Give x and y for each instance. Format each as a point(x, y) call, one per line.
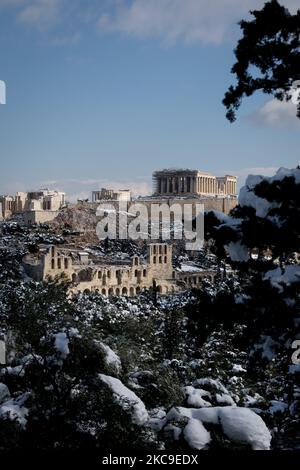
point(276, 114)
point(42, 14)
point(189, 21)
point(82, 188)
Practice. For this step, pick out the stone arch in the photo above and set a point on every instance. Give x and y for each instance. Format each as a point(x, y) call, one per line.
point(103, 291)
point(131, 291)
point(110, 291)
point(117, 291)
point(138, 290)
point(124, 291)
point(86, 291)
point(74, 278)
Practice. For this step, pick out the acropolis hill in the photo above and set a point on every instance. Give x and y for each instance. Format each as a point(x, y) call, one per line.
point(87, 271)
point(169, 186)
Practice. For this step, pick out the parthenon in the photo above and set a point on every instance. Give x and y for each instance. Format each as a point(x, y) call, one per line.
point(187, 182)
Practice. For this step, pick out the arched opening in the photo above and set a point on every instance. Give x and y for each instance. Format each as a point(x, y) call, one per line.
point(66, 263)
point(124, 291)
point(131, 291)
point(136, 273)
point(117, 291)
point(99, 274)
point(86, 291)
point(136, 261)
point(103, 291)
point(145, 272)
point(74, 278)
point(110, 291)
point(154, 259)
point(138, 290)
point(53, 263)
point(166, 260)
point(160, 260)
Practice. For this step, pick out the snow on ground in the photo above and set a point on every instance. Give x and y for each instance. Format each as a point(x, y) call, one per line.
point(189, 268)
point(212, 384)
point(196, 435)
point(195, 397)
point(240, 425)
point(127, 399)
point(244, 426)
point(224, 399)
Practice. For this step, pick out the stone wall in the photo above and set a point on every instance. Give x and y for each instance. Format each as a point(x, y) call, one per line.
point(113, 279)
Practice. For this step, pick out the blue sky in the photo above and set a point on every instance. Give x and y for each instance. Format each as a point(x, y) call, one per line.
point(101, 93)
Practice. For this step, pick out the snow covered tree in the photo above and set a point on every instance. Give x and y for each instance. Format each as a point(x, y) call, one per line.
point(260, 238)
point(268, 56)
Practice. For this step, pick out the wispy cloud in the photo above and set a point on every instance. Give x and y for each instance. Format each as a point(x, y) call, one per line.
point(190, 21)
point(170, 21)
point(42, 14)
